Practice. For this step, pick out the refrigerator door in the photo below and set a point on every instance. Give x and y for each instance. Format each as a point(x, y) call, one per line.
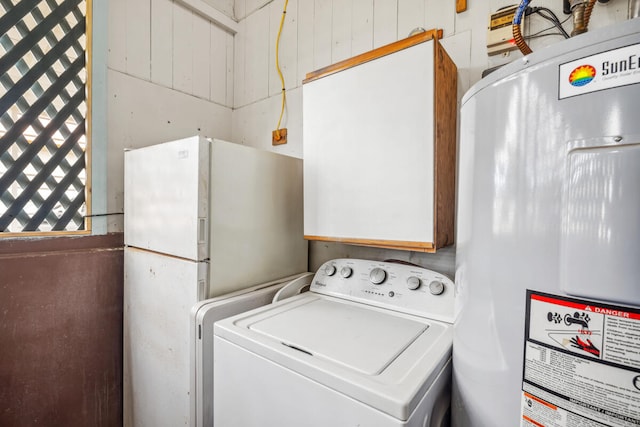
point(166, 198)
point(159, 292)
point(256, 227)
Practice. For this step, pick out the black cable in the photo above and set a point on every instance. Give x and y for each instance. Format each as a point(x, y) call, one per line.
point(103, 214)
point(549, 11)
point(549, 28)
point(542, 31)
point(537, 36)
point(552, 18)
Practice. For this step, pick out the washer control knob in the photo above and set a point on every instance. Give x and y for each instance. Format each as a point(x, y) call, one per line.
point(413, 283)
point(346, 272)
point(377, 276)
point(436, 288)
point(330, 270)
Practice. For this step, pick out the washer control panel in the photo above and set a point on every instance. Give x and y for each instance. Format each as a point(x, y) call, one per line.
point(400, 287)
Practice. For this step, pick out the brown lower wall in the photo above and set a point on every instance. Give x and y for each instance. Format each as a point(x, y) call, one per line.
point(61, 331)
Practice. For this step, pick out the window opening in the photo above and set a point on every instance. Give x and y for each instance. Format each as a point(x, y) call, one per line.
point(43, 116)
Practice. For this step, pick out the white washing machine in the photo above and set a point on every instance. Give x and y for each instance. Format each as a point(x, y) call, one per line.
point(369, 345)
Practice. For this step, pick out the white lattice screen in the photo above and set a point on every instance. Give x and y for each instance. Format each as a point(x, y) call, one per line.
point(43, 107)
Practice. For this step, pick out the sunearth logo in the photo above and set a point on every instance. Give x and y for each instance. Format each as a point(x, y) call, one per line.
point(582, 75)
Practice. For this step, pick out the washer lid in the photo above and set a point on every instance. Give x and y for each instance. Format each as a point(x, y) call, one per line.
point(358, 338)
point(385, 359)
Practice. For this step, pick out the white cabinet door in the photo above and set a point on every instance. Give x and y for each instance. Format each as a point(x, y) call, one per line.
point(370, 151)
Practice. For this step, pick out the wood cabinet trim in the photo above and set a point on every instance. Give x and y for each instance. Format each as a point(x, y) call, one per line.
point(388, 244)
point(373, 54)
point(444, 147)
point(445, 127)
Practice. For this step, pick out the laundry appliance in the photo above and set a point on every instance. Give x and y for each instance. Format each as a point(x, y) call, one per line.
point(203, 218)
point(203, 317)
point(548, 239)
point(369, 344)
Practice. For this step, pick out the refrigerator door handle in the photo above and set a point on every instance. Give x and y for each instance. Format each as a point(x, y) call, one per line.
point(202, 230)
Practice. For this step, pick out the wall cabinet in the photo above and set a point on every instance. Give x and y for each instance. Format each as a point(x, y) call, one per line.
point(379, 135)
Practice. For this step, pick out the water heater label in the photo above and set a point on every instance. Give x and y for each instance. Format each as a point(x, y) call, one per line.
point(581, 363)
point(606, 70)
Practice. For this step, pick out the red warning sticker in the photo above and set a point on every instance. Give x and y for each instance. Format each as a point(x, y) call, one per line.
point(581, 363)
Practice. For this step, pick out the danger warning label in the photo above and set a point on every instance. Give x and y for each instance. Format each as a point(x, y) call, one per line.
point(581, 363)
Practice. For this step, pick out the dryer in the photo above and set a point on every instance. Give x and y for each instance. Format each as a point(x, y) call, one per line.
point(369, 344)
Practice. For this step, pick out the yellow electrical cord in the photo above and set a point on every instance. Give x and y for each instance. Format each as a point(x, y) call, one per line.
point(284, 96)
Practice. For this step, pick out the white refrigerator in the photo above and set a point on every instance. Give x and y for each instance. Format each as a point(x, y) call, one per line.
point(203, 218)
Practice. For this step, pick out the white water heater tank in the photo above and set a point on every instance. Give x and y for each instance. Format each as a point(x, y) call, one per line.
point(548, 246)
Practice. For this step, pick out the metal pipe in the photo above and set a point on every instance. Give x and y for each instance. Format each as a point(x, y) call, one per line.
point(634, 9)
point(515, 28)
point(577, 10)
point(581, 10)
point(587, 13)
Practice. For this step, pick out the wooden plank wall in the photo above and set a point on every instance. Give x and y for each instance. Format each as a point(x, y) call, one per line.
point(165, 43)
point(170, 69)
point(318, 33)
point(170, 75)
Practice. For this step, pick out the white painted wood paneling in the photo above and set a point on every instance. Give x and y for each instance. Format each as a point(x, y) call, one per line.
point(341, 30)
point(200, 8)
point(439, 14)
point(475, 20)
point(605, 14)
point(182, 49)
point(138, 22)
point(117, 35)
point(253, 5)
point(230, 70)
point(142, 113)
point(388, 21)
point(361, 26)
point(201, 57)
point(240, 52)
point(162, 42)
point(458, 47)
point(288, 46)
point(257, 56)
point(385, 22)
point(275, 15)
point(322, 31)
point(410, 16)
point(305, 39)
point(218, 66)
point(253, 123)
point(240, 9)
point(224, 6)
